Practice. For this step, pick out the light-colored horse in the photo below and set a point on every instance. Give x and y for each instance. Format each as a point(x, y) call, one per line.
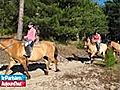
point(115, 46)
point(92, 49)
point(15, 49)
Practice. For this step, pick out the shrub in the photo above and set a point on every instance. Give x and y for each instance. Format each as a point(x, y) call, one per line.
point(5, 31)
point(110, 58)
point(80, 45)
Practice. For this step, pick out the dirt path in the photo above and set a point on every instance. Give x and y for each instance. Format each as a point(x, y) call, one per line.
point(73, 75)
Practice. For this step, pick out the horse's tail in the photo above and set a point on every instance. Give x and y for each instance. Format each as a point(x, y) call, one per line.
point(56, 52)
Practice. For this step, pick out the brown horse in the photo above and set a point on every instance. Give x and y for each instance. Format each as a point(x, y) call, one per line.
point(92, 49)
point(115, 46)
point(15, 49)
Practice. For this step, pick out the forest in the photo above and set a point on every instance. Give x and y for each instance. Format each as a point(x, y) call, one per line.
point(62, 20)
point(64, 26)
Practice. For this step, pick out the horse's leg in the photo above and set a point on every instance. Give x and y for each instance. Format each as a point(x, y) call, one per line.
point(93, 54)
point(91, 57)
point(47, 61)
point(11, 64)
point(23, 61)
point(55, 62)
point(104, 54)
point(114, 54)
point(47, 66)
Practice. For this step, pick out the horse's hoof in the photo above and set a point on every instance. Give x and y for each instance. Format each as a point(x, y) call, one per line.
point(28, 77)
point(92, 61)
point(88, 62)
point(57, 70)
point(46, 72)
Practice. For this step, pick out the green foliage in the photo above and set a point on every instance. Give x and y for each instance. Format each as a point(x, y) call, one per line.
point(5, 31)
point(80, 45)
point(66, 17)
point(110, 58)
point(112, 11)
point(8, 15)
point(57, 19)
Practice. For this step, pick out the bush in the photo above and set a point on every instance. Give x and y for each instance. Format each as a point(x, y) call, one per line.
point(5, 32)
point(80, 45)
point(110, 58)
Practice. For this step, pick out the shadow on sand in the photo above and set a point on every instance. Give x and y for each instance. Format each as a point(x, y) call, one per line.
point(83, 59)
point(31, 67)
point(77, 58)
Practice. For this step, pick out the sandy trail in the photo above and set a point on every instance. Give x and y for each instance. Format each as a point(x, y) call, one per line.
point(73, 75)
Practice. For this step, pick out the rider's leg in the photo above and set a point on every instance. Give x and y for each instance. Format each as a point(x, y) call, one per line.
point(98, 45)
point(28, 49)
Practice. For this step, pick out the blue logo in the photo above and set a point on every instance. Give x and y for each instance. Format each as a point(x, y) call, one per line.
point(13, 77)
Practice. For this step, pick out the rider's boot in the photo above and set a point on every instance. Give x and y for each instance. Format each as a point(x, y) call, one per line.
point(28, 51)
point(98, 47)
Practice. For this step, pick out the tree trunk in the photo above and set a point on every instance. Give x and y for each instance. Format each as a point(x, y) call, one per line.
point(20, 21)
point(77, 36)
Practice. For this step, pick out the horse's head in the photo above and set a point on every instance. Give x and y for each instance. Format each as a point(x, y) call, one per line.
point(114, 45)
point(86, 42)
point(109, 43)
point(85, 45)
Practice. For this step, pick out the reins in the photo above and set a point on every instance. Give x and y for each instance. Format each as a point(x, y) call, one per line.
point(6, 47)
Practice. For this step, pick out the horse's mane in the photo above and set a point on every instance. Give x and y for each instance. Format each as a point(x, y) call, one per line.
point(6, 37)
point(85, 39)
point(9, 38)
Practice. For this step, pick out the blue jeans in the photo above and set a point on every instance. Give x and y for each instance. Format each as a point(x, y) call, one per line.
point(28, 47)
point(98, 45)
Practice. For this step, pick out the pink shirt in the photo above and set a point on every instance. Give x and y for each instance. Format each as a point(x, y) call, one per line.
point(96, 38)
point(31, 35)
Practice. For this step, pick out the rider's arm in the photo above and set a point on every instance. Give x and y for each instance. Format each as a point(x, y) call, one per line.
point(31, 35)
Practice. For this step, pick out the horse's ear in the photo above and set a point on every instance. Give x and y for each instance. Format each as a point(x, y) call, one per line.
point(84, 39)
point(109, 41)
point(88, 39)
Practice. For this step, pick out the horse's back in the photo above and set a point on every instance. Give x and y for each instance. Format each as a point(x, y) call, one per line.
point(41, 49)
point(103, 46)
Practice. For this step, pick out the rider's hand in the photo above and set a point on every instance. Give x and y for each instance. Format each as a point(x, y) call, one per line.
point(25, 38)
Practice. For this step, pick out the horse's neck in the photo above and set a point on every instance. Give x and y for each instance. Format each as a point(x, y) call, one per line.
point(6, 43)
point(91, 43)
point(115, 45)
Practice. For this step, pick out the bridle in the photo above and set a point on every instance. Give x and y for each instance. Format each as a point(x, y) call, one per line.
point(6, 47)
point(2, 49)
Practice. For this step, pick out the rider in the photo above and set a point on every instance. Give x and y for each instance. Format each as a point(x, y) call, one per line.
point(37, 33)
point(30, 39)
point(97, 39)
